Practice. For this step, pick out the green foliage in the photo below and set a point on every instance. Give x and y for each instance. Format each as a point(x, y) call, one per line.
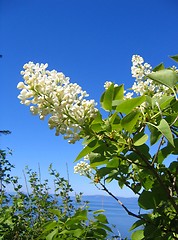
point(166, 77)
point(40, 215)
point(136, 145)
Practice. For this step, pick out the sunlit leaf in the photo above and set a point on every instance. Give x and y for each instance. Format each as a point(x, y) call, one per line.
point(99, 211)
point(137, 235)
point(81, 214)
point(129, 121)
point(166, 131)
point(97, 160)
point(163, 102)
point(164, 128)
point(118, 92)
point(107, 97)
point(140, 139)
point(102, 218)
point(56, 212)
point(166, 77)
point(114, 163)
point(147, 182)
point(126, 106)
point(78, 232)
point(98, 119)
point(88, 149)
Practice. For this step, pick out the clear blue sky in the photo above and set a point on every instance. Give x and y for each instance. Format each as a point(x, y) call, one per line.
point(91, 41)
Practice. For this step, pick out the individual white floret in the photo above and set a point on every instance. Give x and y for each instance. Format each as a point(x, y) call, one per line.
point(107, 84)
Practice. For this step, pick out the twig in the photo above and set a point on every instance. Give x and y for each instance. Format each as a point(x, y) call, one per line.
point(26, 185)
point(125, 208)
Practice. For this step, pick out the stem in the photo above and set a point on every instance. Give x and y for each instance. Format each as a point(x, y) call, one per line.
point(155, 156)
point(39, 172)
point(26, 183)
point(125, 208)
point(67, 172)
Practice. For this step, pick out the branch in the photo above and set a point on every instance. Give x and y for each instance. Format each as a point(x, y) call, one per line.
point(125, 208)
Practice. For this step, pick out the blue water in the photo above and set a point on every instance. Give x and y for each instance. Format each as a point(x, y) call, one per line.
point(115, 213)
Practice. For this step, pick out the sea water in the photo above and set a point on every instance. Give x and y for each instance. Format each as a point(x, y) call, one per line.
point(115, 213)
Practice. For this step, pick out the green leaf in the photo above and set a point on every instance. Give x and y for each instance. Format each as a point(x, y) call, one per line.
point(174, 106)
point(107, 97)
point(166, 77)
point(56, 212)
point(155, 134)
point(144, 149)
point(163, 154)
point(97, 127)
point(118, 92)
point(140, 139)
point(158, 67)
point(96, 163)
point(103, 172)
point(52, 234)
point(97, 123)
point(164, 128)
point(88, 149)
point(175, 57)
point(115, 122)
point(130, 120)
point(166, 131)
point(50, 226)
point(103, 226)
point(173, 167)
point(127, 105)
point(113, 163)
point(102, 218)
point(146, 200)
point(137, 224)
point(147, 182)
point(78, 232)
point(137, 235)
point(163, 102)
point(82, 215)
point(166, 151)
point(98, 119)
point(98, 211)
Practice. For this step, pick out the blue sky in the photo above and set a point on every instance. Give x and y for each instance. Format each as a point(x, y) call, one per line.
point(90, 41)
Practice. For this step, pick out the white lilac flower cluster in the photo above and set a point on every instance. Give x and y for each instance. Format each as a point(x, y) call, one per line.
point(51, 93)
point(139, 71)
point(107, 84)
point(142, 84)
point(83, 168)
